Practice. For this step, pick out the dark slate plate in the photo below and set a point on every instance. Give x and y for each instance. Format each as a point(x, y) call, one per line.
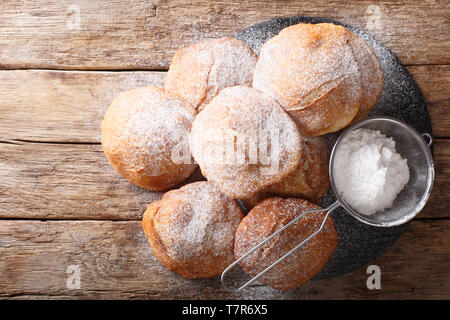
point(401, 98)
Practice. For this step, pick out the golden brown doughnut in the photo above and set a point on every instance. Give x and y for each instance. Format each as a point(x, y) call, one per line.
point(313, 72)
point(268, 217)
point(244, 141)
point(191, 230)
point(310, 181)
point(140, 130)
point(371, 74)
point(198, 72)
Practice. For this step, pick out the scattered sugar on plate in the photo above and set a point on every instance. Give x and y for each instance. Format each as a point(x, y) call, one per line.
point(369, 172)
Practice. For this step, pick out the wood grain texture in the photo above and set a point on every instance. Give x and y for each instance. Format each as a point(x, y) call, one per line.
point(62, 106)
point(94, 34)
point(68, 106)
point(434, 82)
point(65, 181)
point(115, 261)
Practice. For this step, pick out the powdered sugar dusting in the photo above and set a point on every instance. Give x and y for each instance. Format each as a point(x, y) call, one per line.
point(368, 171)
point(270, 216)
point(153, 131)
point(141, 128)
point(195, 226)
point(243, 118)
point(304, 62)
point(198, 72)
point(310, 180)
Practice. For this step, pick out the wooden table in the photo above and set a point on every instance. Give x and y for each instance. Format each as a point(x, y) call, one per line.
point(63, 208)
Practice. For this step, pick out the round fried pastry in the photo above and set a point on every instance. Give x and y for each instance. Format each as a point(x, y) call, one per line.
point(268, 217)
point(244, 141)
point(310, 181)
point(198, 72)
point(141, 130)
point(191, 230)
point(316, 72)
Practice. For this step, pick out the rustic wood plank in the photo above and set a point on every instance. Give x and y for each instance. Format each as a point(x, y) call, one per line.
point(434, 81)
point(115, 261)
point(68, 106)
point(94, 34)
point(62, 106)
point(438, 202)
point(53, 181)
point(65, 181)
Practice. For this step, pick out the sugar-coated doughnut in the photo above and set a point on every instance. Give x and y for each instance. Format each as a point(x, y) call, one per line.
point(268, 217)
point(198, 72)
point(191, 230)
point(322, 74)
point(371, 75)
point(141, 132)
point(310, 181)
point(244, 141)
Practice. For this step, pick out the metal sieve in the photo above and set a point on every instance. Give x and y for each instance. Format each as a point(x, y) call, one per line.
point(409, 202)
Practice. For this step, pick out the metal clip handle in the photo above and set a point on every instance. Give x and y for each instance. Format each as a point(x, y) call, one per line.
point(330, 209)
point(430, 139)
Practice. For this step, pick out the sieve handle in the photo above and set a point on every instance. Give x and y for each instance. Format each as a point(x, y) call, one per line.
point(330, 209)
point(428, 136)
